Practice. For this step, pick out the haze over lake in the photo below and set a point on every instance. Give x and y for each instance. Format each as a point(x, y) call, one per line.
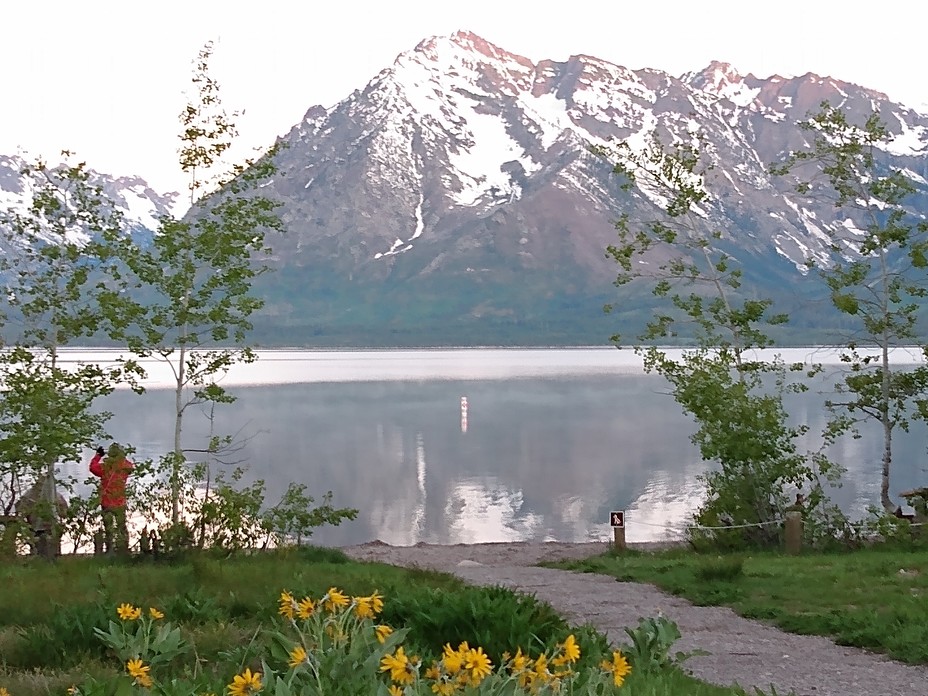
point(552, 441)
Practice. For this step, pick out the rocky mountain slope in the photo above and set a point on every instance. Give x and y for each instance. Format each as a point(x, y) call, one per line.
point(455, 194)
point(454, 199)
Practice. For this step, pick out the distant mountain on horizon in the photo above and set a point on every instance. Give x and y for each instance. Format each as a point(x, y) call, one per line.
point(453, 199)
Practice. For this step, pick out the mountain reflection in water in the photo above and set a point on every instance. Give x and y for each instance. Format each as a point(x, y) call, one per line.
point(554, 441)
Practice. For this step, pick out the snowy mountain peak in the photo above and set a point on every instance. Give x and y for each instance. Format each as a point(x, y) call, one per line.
point(723, 81)
point(460, 129)
point(139, 203)
point(461, 47)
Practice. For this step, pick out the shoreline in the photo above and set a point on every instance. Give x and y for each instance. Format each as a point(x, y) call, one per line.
point(492, 553)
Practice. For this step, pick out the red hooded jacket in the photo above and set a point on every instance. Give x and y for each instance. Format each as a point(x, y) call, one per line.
point(113, 475)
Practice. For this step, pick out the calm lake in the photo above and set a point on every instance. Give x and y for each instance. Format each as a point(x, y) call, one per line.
point(550, 441)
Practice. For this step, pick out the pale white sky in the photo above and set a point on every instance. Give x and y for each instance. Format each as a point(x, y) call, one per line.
point(106, 78)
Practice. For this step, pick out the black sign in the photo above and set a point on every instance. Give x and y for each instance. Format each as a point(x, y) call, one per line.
point(617, 518)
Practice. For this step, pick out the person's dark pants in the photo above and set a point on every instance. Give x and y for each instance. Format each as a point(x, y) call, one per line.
point(115, 532)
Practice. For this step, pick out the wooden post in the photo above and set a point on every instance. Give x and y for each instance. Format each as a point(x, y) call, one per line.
point(793, 529)
point(617, 522)
point(618, 538)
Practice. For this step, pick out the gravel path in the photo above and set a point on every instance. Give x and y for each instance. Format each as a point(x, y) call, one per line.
point(742, 651)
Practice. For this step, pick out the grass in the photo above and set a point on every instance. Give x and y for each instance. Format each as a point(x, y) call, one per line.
point(47, 612)
point(872, 598)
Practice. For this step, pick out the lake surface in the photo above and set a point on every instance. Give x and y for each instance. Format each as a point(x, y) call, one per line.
point(551, 442)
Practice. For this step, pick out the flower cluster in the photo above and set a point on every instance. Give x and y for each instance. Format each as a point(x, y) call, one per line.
point(337, 624)
point(324, 640)
point(458, 669)
point(127, 612)
point(545, 670)
point(464, 667)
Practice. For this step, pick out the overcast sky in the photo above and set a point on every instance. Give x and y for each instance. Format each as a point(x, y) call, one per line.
point(107, 78)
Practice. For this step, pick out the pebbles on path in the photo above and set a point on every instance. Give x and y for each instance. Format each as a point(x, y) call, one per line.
point(741, 651)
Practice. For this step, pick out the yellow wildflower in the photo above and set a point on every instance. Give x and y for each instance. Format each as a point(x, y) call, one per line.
point(334, 599)
point(569, 652)
point(154, 613)
point(297, 656)
point(519, 662)
point(382, 632)
point(139, 672)
point(305, 608)
point(526, 680)
point(453, 660)
point(365, 608)
point(127, 612)
point(72, 690)
point(394, 690)
point(362, 608)
point(399, 667)
point(287, 607)
point(3, 691)
point(541, 667)
point(477, 665)
point(444, 688)
point(376, 600)
point(618, 667)
point(245, 684)
point(571, 649)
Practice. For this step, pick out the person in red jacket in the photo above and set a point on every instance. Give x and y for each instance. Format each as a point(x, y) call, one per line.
point(113, 469)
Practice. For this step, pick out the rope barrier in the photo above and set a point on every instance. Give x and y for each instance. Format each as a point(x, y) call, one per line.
point(680, 529)
point(699, 526)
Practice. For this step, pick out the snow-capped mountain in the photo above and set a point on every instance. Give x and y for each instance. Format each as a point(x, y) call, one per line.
point(140, 205)
point(456, 189)
point(454, 198)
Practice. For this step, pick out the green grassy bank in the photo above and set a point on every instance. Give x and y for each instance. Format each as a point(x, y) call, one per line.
point(868, 598)
point(227, 613)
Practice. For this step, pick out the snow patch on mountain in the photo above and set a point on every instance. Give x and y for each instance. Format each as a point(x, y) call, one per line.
point(548, 113)
point(140, 208)
point(479, 163)
point(398, 247)
point(911, 141)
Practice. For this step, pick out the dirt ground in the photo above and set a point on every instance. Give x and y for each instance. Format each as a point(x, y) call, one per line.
point(443, 557)
point(749, 653)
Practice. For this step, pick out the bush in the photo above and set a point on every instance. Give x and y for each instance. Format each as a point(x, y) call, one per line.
point(65, 640)
point(496, 618)
point(335, 645)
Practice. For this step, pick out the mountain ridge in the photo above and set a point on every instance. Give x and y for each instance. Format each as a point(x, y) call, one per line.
point(454, 198)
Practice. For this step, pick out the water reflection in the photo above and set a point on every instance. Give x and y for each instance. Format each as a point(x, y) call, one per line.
point(542, 458)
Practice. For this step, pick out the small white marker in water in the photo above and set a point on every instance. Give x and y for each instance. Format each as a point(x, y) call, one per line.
point(463, 414)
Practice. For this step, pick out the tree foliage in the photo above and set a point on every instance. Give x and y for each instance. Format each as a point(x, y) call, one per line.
point(876, 273)
point(57, 291)
point(74, 271)
point(194, 314)
point(736, 399)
